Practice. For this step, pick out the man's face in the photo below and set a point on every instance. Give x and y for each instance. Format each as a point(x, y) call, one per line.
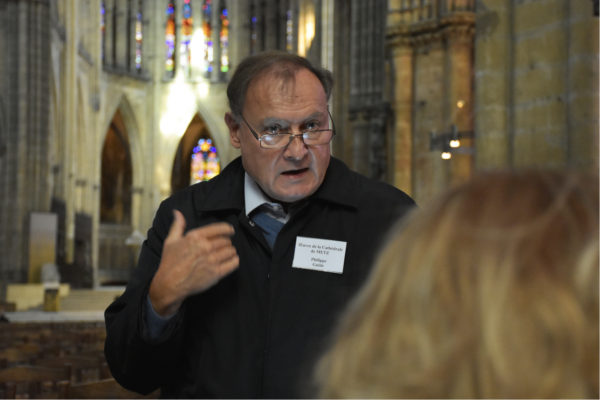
point(295, 171)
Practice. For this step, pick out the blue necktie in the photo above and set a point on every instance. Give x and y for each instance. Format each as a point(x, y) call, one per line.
point(269, 225)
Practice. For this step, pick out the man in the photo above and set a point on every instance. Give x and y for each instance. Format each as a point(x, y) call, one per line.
point(240, 303)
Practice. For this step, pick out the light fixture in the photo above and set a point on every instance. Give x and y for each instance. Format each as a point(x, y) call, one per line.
point(454, 143)
point(450, 142)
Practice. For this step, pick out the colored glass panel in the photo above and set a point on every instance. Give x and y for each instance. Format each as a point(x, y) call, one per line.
point(205, 162)
point(253, 29)
point(224, 38)
point(187, 28)
point(208, 43)
point(170, 38)
point(139, 36)
point(102, 29)
point(289, 31)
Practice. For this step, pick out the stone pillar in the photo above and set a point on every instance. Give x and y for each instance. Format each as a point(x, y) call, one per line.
point(459, 107)
point(70, 123)
point(493, 84)
point(367, 110)
point(582, 86)
point(539, 84)
point(402, 142)
point(430, 173)
point(25, 170)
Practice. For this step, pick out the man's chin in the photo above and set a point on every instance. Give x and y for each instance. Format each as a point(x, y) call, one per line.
point(291, 197)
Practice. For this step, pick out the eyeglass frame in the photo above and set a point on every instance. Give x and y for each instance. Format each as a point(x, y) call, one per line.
point(290, 135)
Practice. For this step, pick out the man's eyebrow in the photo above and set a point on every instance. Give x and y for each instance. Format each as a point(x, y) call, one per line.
point(284, 123)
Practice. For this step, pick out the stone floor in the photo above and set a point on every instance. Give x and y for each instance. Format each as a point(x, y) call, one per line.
point(78, 305)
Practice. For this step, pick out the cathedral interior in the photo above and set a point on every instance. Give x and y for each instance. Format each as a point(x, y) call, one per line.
point(109, 106)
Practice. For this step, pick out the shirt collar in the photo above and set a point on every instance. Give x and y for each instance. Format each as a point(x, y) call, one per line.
point(254, 197)
point(230, 189)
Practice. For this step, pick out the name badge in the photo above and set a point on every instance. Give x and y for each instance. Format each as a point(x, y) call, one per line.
point(319, 254)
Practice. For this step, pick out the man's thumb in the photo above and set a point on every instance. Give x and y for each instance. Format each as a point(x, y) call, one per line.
point(178, 225)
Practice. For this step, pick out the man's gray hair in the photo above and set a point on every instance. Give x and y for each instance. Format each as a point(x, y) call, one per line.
point(281, 64)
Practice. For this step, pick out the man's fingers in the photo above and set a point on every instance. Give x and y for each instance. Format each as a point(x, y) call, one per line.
point(178, 225)
point(220, 242)
point(212, 230)
point(224, 254)
point(229, 266)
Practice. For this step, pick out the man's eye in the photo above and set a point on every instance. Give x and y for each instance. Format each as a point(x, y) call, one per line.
point(311, 126)
point(272, 130)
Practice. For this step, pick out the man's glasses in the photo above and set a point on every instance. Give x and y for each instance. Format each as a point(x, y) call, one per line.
point(275, 138)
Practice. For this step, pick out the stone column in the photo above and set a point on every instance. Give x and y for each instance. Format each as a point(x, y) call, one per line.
point(582, 86)
point(402, 107)
point(70, 123)
point(25, 170)
point(460, 98)
point(493, 84)
point(367, 109)
point(430, 172)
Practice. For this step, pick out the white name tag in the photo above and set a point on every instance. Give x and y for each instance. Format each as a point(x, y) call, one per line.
point(319, 254)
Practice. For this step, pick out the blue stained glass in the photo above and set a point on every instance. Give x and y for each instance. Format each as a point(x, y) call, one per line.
point(205, 162)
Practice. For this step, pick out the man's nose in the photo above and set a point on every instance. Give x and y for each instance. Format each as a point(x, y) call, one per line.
point(296, 149)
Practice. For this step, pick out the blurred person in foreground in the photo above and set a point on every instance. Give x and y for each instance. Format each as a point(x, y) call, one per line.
point(235, 291)
point(489, 292)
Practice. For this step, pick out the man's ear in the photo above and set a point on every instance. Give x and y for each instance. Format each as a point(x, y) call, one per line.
point(234, 130)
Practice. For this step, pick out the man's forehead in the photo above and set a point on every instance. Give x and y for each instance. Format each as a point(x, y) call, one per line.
point(282, 80)
point(274, 120)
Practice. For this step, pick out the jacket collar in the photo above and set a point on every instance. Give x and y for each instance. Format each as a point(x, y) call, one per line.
point(339, 185)
point(223, 192)
point(226, 190)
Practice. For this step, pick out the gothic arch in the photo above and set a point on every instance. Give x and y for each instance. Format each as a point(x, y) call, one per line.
point(218, 131)
point(116, 175)
point(118, 210)
point(180, 172)
point(135, 141)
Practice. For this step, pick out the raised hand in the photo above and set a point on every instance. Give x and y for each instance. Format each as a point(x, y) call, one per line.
point(191, 263)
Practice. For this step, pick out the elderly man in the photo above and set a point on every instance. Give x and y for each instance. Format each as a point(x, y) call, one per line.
point(241, 278)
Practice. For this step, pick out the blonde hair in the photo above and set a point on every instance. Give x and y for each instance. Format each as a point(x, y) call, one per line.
point(491, 291)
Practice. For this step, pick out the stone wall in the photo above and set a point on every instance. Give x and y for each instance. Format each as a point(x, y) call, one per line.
point(522, 76)
point(536, 84)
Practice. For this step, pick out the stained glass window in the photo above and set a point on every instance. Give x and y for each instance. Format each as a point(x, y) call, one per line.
point(253, 29)
point(113, 39)
point(187, 28)
point(129, 33)
point(102, 29)
point(289, 31)
point(205, 161)
point(170, 39)
point(224, 38)
point(208, 42)
point(138, 36)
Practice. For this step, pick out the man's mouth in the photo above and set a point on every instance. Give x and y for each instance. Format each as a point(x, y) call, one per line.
point(294, 172)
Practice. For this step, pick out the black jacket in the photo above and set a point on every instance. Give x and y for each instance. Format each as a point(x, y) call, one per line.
point(259, 330)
